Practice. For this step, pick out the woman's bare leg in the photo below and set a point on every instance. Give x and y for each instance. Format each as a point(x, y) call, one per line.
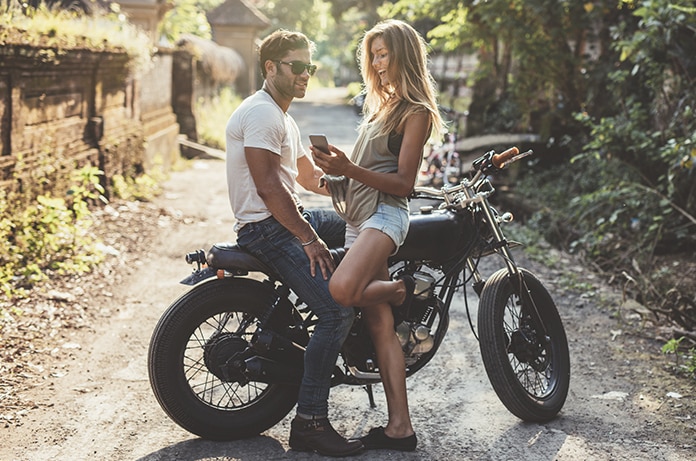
point(392, 369)
point(361, 278)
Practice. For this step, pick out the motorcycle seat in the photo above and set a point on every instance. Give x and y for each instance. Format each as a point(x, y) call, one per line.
point(230, 257)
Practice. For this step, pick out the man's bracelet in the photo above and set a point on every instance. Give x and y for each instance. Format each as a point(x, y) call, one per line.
point(304, 244)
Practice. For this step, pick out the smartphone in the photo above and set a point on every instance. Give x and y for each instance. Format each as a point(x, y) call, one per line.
point(319, 141)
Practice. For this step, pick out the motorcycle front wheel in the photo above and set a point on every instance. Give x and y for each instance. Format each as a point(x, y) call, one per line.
point(189, 346)
point(529, 371)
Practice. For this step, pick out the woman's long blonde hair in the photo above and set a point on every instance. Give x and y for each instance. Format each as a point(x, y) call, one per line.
point(388, 107)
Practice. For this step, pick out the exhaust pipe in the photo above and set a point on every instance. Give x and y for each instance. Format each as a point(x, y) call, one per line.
point(269, 371)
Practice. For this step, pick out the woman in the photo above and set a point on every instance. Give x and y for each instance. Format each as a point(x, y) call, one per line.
point(369, 191)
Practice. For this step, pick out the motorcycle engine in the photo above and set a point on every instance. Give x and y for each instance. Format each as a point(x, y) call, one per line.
point(414, 332)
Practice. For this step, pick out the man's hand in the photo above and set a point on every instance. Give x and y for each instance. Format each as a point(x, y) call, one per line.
point(319, 255)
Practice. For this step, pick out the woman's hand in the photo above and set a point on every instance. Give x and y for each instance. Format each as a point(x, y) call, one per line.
point(335, 163)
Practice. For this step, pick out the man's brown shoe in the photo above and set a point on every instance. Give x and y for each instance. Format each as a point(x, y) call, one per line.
point(318, 435)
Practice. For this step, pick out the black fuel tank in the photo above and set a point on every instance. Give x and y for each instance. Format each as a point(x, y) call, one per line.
point(435, 235)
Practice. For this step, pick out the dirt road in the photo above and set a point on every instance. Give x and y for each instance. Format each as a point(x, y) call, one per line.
point(95, 402)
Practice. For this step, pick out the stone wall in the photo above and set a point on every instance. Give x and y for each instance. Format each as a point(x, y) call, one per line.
point(159, 124)
point(65, 110)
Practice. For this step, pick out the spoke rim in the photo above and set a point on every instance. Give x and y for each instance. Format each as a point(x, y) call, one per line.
point(204, 385)
point(537, 383)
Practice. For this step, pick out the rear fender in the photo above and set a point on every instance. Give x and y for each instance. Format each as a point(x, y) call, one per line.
point(199, 275)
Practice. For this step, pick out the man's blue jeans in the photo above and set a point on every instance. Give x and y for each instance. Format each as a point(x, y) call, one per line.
point(269, 241)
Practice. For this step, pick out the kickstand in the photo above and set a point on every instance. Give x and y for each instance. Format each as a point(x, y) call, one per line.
point(370, 395)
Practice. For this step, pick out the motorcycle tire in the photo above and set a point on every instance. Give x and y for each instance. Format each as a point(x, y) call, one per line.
point(218, 314)
point(530, 377)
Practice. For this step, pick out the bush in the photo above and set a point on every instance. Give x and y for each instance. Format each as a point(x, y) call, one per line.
point(629, 197)
point(212, 115)
point(50, 235)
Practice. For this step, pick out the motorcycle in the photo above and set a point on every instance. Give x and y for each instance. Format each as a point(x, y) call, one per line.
point(441, 163)
point(225, 360)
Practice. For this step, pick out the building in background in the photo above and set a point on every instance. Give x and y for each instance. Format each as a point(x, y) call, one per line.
point(236, 24)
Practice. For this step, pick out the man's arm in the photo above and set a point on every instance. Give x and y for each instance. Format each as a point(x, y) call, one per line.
point(308, 175)
point(264, 167)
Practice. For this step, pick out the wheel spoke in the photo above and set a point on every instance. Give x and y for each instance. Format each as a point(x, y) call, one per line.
point(195, 367)
point(536, 382)
point(203, 383)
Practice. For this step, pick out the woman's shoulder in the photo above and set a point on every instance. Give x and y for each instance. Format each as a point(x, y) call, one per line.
point(414, 107)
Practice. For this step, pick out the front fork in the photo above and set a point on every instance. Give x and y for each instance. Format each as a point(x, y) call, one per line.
point(500, 245)
point(519, 285)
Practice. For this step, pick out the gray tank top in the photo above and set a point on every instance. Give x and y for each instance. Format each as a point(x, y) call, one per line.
point(353, 200)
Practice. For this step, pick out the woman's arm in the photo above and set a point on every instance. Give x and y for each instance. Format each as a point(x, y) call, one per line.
point(399, 183)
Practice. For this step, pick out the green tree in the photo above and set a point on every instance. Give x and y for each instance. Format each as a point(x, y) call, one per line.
point(613, 79)
point(303, 15)
point(187, 17)
point(534, 56)
point(645, 134)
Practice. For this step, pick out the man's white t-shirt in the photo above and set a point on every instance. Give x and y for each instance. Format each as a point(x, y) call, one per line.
point(259, 122)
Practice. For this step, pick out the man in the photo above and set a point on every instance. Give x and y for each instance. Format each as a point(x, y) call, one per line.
point(265, 160)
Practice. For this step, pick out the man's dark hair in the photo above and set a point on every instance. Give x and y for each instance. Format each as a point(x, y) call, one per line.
point(279, 43)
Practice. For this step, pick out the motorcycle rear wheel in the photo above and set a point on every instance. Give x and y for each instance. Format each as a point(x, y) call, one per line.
point(530, 376)
point(179, 367)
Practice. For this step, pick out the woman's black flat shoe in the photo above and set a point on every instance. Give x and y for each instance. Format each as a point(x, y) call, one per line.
point(376, 439)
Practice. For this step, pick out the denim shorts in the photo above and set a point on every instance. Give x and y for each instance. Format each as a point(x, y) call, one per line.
point(389, 220)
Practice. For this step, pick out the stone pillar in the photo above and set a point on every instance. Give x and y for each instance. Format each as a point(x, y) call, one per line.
point(236, 24)
point(146, 14)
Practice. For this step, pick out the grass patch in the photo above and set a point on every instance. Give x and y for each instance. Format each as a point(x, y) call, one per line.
point(212, 115)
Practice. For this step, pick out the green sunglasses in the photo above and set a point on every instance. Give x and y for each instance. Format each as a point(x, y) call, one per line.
point(298, 67)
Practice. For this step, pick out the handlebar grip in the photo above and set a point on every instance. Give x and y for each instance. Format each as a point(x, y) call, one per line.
point(499, 160)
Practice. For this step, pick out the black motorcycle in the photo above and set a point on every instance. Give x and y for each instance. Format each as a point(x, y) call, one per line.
point(225, 359)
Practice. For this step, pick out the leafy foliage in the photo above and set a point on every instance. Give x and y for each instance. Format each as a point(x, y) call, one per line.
point(688, 357)
point(629, 196)
point(59, 30)
point(142, 188)
point(187, 17)
point(533, 57)
point(51, 235)
point(648, 145)
point(210, 113)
